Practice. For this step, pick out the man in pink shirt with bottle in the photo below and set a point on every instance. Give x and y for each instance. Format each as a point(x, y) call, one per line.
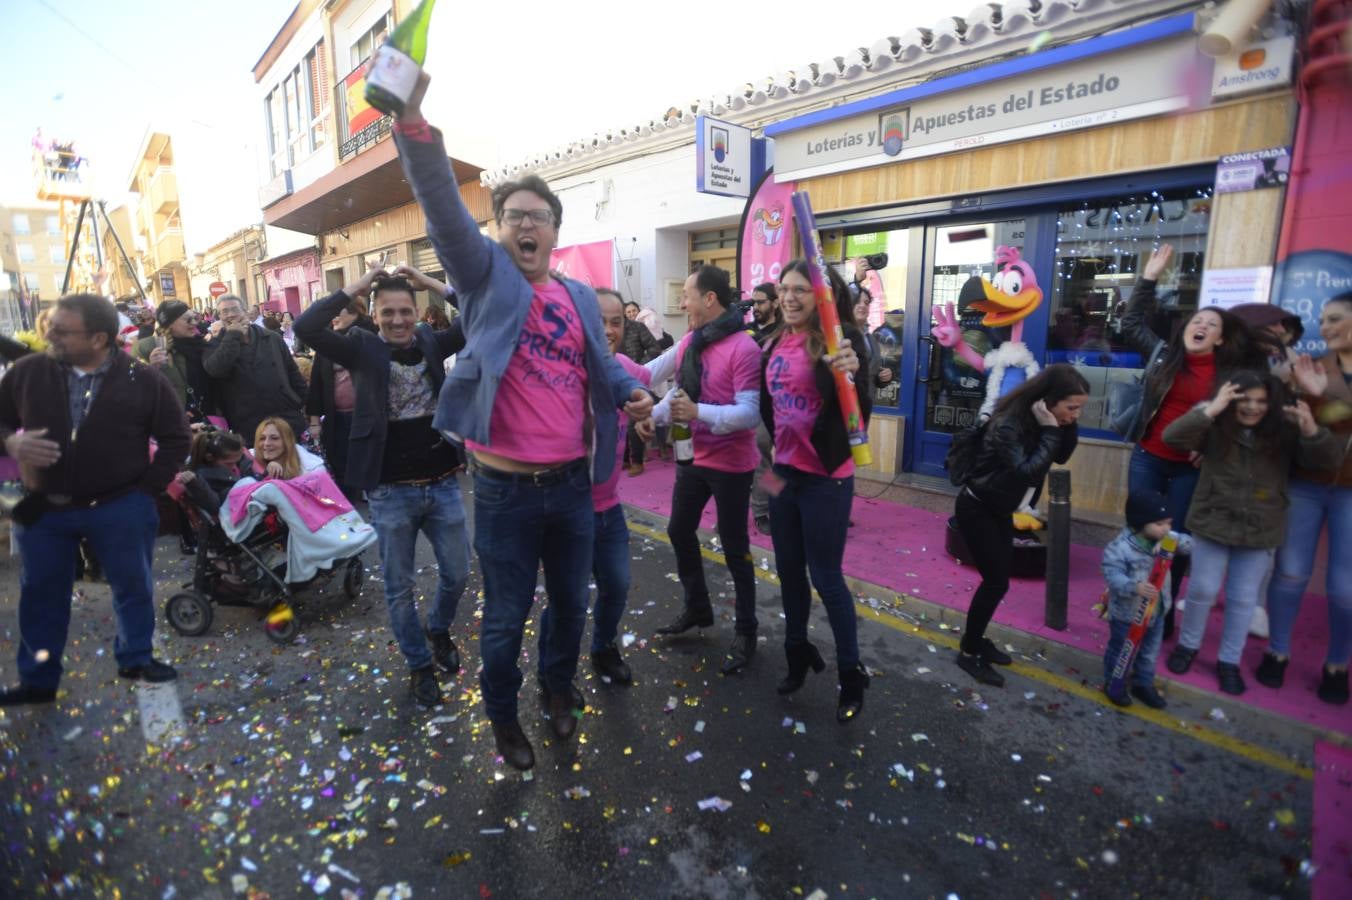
point(718, 372)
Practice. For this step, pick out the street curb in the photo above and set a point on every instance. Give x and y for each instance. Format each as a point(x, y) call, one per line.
point(1250, 724)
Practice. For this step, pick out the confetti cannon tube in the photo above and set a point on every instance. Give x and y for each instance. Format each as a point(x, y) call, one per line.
point(830, 319)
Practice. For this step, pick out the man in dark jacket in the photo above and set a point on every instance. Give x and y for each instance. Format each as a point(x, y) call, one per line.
point(331, 399)
point(79, 420)
point(639, 345)
point(405, 466)
point(254, 372)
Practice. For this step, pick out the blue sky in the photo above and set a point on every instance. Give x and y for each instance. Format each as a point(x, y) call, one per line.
point(504, 86)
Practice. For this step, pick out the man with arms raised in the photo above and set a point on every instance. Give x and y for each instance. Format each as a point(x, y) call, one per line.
point(405, 466)
point(531, 396)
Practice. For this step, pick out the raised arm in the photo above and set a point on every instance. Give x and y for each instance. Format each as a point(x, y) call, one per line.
point(463, 251)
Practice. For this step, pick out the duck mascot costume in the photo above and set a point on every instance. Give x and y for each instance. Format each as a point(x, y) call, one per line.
point(1007, 298)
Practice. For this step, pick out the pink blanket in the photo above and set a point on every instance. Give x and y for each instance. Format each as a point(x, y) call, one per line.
point(313, 495)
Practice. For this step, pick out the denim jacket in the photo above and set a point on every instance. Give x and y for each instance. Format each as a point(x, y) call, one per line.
point(494, 301)
point(1126, 564)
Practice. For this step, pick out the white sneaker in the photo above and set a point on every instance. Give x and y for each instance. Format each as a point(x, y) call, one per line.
point(1258, 625)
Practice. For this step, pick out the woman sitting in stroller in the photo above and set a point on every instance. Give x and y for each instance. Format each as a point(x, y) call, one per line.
point(267, 533)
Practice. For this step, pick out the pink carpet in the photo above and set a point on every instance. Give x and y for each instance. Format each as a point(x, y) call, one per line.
point(1332, 832)
point(902, 548)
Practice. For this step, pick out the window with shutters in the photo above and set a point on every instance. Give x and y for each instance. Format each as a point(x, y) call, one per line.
point(316, 64)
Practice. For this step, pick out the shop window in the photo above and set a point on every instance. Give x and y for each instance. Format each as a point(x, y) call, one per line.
point(1100, 249)
point(883, 291)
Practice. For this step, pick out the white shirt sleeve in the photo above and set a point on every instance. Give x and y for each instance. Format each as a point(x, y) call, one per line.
point(742, 413)
point(664, 366)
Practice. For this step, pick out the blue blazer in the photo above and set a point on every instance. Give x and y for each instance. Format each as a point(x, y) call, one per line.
point(494, 301)
point(367, 357)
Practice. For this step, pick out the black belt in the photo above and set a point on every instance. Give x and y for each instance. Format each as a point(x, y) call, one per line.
point(539, 478)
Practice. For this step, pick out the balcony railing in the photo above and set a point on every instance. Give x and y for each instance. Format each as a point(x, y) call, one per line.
point(163, 191)
point(169, 248)
point(370, 124)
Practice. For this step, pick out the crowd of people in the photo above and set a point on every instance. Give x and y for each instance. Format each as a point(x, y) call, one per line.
point(545, 390)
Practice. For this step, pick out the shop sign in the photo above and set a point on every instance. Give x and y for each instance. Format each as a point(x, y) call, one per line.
point(1227, 288)
point(723, 163)
point(1259, 67)
point(1252, 171)
point(167, 285)
point(1142, 81)
point(1303, 284)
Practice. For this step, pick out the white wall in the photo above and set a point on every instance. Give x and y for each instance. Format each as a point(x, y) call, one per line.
point(648, 206)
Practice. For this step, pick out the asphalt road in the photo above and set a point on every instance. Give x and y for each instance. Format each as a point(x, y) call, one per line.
point(307, 770)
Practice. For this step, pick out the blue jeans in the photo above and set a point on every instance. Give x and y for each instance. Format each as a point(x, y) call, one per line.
point(1242, 570)
point(517, 526)
point(1311, 506)
point(1142, 672)
point(731, 492)
point(610, 568)
point(808, 523)
point(1175, 480)
point(398, 513)
point(121, 533)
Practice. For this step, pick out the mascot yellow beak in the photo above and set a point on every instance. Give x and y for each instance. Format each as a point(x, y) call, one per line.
point(1003, 309)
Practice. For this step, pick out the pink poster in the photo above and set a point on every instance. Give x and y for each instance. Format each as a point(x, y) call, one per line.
point(766, 241)
point(587, 263)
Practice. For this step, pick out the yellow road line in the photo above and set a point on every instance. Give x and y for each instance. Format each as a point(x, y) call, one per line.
point(1202, 733)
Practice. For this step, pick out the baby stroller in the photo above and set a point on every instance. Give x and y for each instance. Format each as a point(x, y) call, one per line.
point(250, 572)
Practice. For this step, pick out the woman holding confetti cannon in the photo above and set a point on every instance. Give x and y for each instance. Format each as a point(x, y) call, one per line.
point(812, 487)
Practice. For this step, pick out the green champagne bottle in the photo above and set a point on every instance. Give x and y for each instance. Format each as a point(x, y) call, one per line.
point(393, 73)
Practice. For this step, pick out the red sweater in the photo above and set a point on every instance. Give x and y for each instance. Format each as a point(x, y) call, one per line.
point(1192, 385)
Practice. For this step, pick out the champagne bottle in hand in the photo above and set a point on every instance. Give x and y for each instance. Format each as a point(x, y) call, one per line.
point(394, 69)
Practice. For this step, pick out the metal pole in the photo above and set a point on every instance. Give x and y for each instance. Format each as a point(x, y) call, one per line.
point(126, 260)
point(1058, 550)
point(74, 246)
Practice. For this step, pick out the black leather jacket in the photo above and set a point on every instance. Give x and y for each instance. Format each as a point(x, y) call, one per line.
point(1136, 332)
point(1015, 454)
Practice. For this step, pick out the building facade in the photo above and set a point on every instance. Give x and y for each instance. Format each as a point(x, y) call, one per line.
point(227, 264)
point(157, 227)
point(39, 242)
point(958, 152)
point(331, 170)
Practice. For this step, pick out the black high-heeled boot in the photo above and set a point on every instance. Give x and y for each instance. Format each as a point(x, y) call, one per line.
point(801, 658)
point(853, 683)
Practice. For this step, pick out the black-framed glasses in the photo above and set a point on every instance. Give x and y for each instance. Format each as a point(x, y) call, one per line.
point(540, 217)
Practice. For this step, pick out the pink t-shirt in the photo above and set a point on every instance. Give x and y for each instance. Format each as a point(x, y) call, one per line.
point(792, 384)
point(539, 412)
point(604, 495)
point(730, 366)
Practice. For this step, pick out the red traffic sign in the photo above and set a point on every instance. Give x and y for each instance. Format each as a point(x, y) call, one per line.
point(217, 289)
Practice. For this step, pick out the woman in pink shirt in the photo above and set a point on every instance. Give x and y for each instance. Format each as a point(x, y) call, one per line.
point(810, 513)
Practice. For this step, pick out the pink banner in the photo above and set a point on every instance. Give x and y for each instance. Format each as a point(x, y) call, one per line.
point(587, 263)
point(766, 240)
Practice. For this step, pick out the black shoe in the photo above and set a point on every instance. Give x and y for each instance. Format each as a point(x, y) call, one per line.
point(687, 620)
point(853, 683)
point(993, 654)
point(1271, 671)
point(979, 669)
point(1121, 698)
point(763, 524)
point(1180, 659)
point(1333, 687)
point(444, 652)
point(422, 684)
point(1230, 680)
point(513, 745)
point(154, 672)
point(1147, 694)
point(187, 545)
point(611, 666)
point(26, 694)
point(562, 710)
point(801, 658)
point(739, 653)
